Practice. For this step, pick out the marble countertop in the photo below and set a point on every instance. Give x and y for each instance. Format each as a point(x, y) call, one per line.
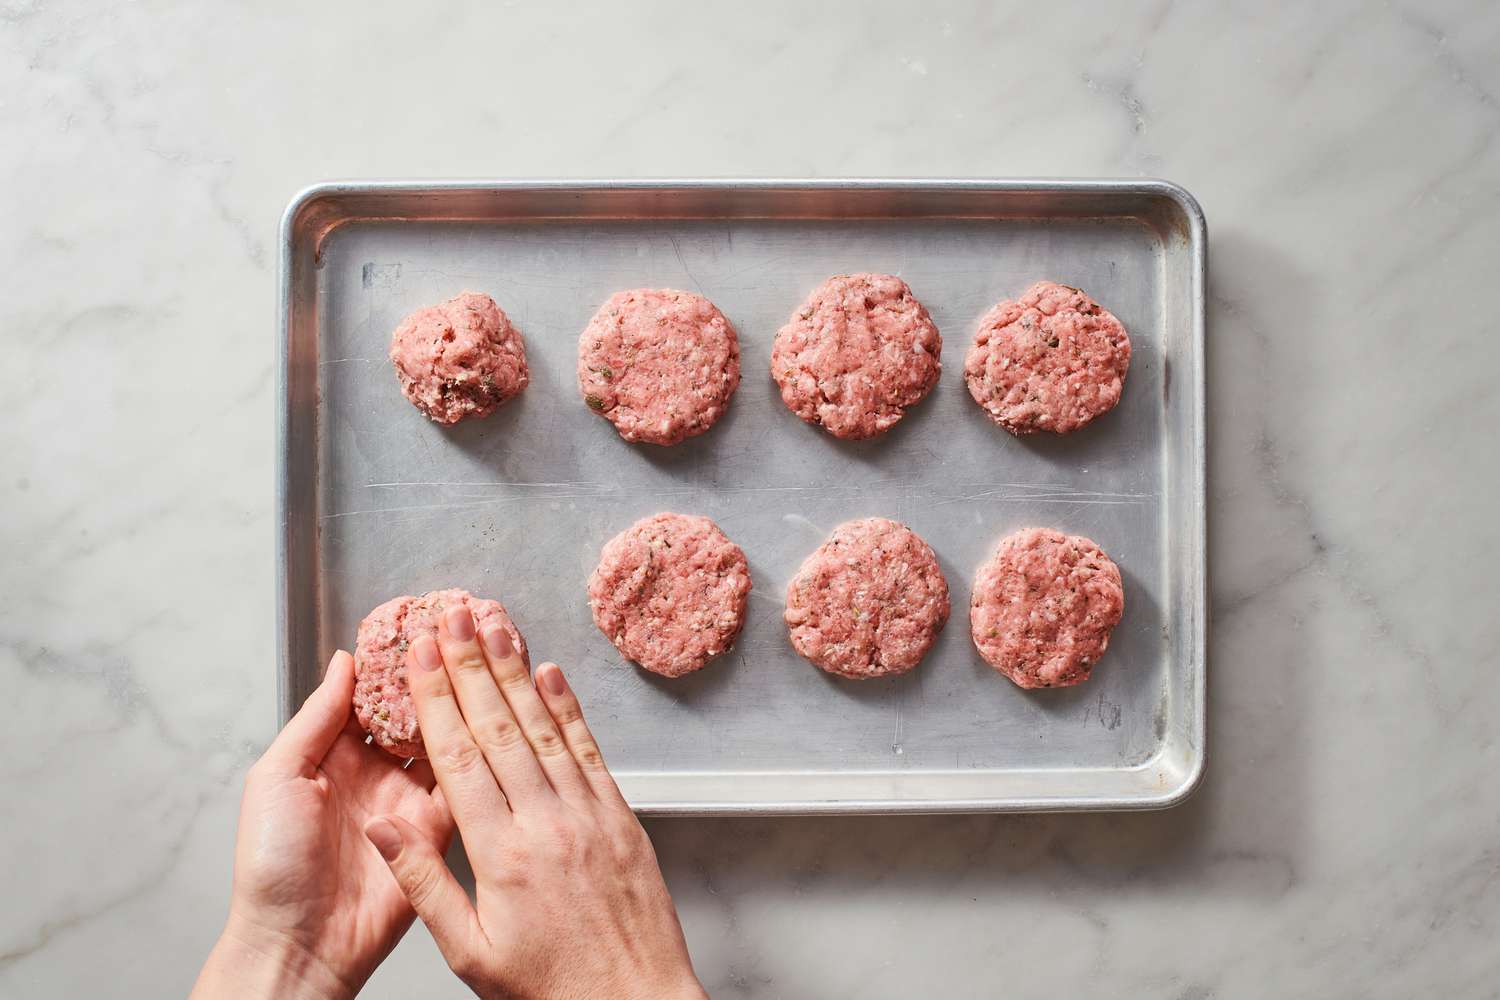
point(1346, 841)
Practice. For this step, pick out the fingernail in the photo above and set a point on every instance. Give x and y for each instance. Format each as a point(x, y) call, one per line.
point(333, 662)
point(386, 838)
point(552, 679)
point(497, 641)
point(425, 651)
point(460, 623)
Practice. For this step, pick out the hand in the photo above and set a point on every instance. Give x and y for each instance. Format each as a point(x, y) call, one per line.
point(570, 901)
point(314, 909)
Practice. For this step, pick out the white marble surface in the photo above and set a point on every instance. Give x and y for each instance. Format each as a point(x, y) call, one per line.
point(1347, 839)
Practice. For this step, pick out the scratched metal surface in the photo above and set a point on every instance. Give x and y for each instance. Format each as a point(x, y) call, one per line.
point(516, 506)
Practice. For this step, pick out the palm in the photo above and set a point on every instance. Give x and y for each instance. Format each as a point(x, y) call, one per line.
point(306, 862)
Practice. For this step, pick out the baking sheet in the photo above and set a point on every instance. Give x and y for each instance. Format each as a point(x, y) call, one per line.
point(376, 501)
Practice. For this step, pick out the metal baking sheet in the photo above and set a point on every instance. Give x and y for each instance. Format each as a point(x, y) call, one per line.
point(376, 501)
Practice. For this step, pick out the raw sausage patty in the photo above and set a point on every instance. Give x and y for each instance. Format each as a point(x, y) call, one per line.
point(856, 354)
point(1052, 360)
point(869, 602)
point(1044, 606)
point(382, 699)
point(670, 592)
point(658, 364)
point(460, 359)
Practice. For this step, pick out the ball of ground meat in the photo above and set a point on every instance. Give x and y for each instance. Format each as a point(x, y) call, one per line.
point(461, 358)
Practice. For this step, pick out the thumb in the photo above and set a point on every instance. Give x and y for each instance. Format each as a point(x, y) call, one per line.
point(300, 747)
point(430, 888)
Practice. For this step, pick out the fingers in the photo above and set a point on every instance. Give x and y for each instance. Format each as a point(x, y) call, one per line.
point(488, 716)
point(301, 746)
point(429, 886)
point(510, 673)
point(462, 773)
point(563, 706)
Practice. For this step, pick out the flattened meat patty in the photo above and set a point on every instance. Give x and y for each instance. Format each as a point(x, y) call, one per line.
point(670, 592)
point(869, 602)
point(856, 355)
point(382, 698)
point(659, 364)
point(1044, 607)
point(1052, 360)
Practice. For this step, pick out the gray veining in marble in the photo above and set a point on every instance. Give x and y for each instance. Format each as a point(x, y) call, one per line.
point(1346, 841)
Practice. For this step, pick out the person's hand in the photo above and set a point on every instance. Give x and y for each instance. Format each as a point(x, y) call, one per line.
point(314, 909)
point(570, 900)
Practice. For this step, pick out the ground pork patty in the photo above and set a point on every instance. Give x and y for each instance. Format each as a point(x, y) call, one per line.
point(856, 354)
point(670, 592)
point(382, 699)
point(659, 364)
point(1044, 606)
point(462, 358)
point(1052, 360)
point(869, 602)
